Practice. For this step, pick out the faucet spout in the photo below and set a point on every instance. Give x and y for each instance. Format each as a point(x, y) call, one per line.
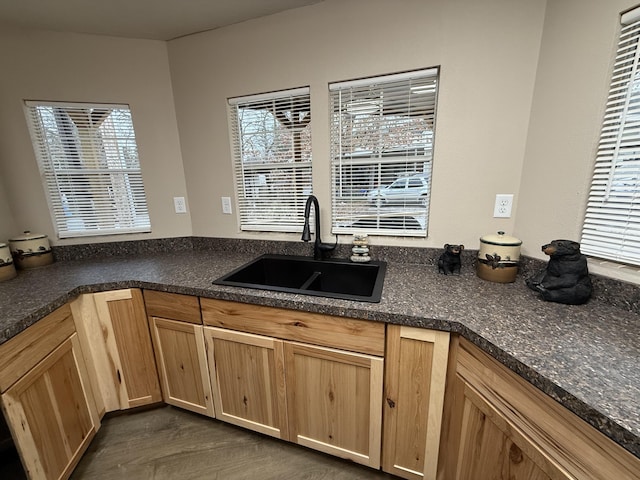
point(319, 248)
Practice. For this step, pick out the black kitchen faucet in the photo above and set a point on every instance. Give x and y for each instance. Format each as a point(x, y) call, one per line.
point(319, 248)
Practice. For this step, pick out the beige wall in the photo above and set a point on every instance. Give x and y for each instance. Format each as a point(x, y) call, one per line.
point(67, 67)
point(7, 223)
point(523, 85)
point(577, 52)
point(488, 53)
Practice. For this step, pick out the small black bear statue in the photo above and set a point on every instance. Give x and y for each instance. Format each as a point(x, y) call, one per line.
point(449, 261)
point(566, 278)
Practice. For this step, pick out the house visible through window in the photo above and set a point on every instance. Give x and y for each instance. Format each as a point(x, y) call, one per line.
point(382, 134)
point(271, 140)
point(612, 222)
point(88, 159)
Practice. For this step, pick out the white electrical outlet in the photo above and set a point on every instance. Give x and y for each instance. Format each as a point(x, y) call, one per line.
point(226, 205)
point(180, 204)
point(504, 203)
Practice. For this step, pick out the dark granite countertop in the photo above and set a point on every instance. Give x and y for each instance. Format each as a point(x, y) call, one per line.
point(586, 357)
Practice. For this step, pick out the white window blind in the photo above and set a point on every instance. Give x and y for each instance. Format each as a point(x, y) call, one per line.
point(382, 134)
point(271, 138)
point(88, 160)
point(611, 228)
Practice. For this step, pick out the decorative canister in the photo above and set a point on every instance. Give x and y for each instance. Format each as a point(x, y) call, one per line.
point(7, 268)
point(31, 250)
point(498, 258)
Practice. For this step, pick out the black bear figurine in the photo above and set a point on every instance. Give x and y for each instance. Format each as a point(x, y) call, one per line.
point(566, 278)
point(449, 261)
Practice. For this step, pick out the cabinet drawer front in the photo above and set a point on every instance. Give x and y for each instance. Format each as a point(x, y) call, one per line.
point(330, 331)
point(174, 306)
point(21, 353)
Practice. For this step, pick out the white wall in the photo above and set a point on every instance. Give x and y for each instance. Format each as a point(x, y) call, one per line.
point(41, 65)
point(488, 54)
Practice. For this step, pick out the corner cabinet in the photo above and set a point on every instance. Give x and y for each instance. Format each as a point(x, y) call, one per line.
point(115, 335)
point(416, 369)
point(46, 396)
point(309, 378)
point(499, 426)
point(179, 347)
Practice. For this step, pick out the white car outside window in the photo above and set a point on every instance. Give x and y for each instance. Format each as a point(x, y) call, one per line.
point(404, 190)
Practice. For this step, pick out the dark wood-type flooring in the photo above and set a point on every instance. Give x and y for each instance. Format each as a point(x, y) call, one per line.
point(167, 443)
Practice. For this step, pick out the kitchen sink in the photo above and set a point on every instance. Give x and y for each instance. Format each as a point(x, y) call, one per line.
point(334, 278)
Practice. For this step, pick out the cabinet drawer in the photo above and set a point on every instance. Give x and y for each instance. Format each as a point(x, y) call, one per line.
point(315, 328)
point(173, 306)
point(21, 353)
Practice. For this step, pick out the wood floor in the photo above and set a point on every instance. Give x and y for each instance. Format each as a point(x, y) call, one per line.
point(171, 444)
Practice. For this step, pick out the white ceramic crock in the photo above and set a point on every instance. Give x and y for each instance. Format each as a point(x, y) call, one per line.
point(7, 268)
point(31, 250)
point(498, 258)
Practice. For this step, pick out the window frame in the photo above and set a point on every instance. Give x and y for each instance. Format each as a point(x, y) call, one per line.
point(90, 167)
point(263, 204)
point(382, 129)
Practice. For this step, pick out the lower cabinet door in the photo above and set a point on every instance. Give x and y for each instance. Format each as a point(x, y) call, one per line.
point(182, 364)
point(122, 322)
point(334, 401)
point(489, 448)
point(499, 426)
point(415, 377)
point(51, 413)
point(247, 379)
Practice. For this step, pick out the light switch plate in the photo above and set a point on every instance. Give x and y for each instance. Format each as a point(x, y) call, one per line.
point(226, 205)
point(180, 204)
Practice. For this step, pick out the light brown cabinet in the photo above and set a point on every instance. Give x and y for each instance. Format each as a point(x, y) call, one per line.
point(115, 335)
point(247, 376)
point(499, 426)
point(47, 398)
point(349, 334)
point(308, 378)
point(273, 371)
point(334, 401)
point(182, 364)
point(415, 374)
point(179, 348)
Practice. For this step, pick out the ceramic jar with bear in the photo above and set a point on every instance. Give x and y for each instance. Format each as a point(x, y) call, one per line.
point(31, 250)
point(498, 258)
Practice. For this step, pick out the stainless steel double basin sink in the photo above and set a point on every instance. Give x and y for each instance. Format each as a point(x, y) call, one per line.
point(333, 278)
